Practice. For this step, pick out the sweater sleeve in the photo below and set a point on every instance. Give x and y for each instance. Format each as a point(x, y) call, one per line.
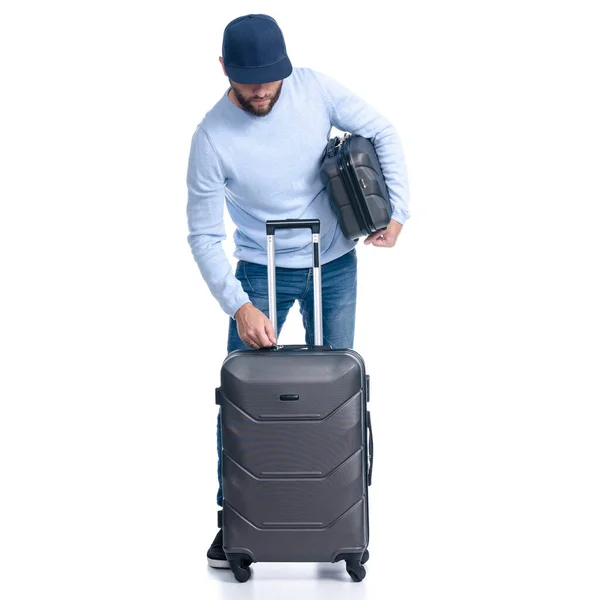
point(206, 198)
point(348, 112)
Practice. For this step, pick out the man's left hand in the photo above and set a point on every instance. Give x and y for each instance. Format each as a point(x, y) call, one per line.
point(385, 238)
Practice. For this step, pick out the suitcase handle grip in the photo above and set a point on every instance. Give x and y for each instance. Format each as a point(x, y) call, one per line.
point(313, 224)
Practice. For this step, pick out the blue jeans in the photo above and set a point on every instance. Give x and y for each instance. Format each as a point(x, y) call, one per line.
point(338, 284)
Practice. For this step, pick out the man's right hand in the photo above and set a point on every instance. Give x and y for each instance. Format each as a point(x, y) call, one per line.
point(253, 326)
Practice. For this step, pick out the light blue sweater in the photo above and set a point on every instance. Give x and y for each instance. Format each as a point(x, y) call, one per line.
point(268, 168)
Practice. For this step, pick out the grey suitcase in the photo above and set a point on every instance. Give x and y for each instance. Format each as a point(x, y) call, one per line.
point(355, 185)
point(297, 446)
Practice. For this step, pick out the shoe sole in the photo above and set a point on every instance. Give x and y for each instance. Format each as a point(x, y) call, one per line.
point(218, 564)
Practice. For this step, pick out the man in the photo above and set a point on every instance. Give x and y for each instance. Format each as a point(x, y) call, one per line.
point(259, 149)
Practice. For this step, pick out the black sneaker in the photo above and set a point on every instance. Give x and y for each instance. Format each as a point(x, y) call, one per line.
point(216, 556)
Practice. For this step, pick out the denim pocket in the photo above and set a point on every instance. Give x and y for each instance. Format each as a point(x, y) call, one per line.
point(242, 276)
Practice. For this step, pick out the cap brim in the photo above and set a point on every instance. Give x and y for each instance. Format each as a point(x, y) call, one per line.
point(275, 72)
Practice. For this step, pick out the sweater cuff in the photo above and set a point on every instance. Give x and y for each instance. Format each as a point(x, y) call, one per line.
point(237, 304)
point(400, 216)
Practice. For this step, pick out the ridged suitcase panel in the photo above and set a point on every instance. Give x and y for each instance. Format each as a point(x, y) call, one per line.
point(294, 502)
point(254, 381)
point(309, 448)
point(347, 534)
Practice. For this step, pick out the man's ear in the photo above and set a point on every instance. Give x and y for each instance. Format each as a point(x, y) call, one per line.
point(222, 65)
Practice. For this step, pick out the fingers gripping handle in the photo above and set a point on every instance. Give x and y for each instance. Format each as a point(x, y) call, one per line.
point(315, 226)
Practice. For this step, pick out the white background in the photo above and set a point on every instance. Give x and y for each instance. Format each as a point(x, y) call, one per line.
point(480, 328)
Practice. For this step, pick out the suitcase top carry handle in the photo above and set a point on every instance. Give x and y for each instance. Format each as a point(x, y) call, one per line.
point(315, 226)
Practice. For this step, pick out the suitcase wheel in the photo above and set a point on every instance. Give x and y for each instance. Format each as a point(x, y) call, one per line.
point(365, 557)
point(240, 567)
point(242, 574)
point(355, 569)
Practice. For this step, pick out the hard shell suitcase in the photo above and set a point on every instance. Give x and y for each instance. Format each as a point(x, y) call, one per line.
point(297, 446)
point(357, 191)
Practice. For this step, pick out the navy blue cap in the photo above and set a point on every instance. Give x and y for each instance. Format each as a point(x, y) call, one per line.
point(254, 50)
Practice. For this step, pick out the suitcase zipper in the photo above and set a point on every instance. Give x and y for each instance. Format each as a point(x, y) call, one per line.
point(353, 187)
point(349, 188)
point(353, 177)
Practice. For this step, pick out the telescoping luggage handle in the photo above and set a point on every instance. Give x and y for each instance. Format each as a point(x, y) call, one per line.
point(315, 226)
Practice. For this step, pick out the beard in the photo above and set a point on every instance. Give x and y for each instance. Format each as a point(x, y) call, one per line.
point(260, 110)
